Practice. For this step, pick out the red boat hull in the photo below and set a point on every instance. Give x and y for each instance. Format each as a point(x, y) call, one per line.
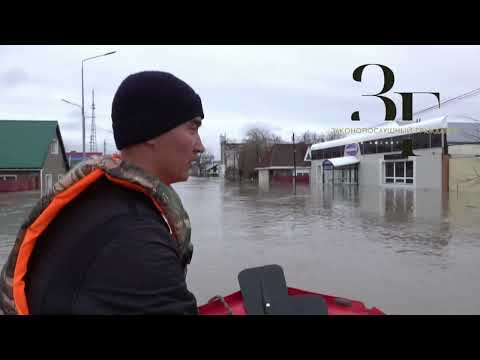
point(336, 306)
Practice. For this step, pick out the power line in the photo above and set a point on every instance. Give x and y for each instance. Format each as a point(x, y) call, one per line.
point(456, 98)
point(459, 97)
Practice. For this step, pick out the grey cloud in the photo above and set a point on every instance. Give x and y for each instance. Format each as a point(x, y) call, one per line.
point(77, 113)
point(287, 87)
point(14, 78)
point(70, 126)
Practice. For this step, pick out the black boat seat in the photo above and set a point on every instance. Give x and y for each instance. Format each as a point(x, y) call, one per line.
point(265, 292)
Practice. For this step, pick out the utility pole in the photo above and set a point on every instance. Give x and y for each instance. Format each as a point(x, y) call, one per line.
point(93, 130)
point(234, 167)
point(294, 166)
point(83, 100)
point(83, 119)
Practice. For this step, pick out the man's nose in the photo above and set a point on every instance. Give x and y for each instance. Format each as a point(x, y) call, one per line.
point(199, 148)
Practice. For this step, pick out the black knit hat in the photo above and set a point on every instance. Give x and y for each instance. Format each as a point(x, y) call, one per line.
point(150, 103)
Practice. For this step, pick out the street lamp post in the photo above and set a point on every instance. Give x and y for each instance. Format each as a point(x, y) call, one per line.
point(83, 101)
point(72, 103)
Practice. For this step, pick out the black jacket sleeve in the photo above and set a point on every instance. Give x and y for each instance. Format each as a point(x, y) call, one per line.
point(137, 272)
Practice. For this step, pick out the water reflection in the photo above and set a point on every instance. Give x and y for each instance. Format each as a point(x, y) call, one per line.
point(14, 207)
point(373, 243)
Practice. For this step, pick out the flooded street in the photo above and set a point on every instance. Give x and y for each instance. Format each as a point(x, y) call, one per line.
point(404, 251)
point(14, 207)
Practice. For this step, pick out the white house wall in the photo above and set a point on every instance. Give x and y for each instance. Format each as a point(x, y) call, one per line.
point(428, 168)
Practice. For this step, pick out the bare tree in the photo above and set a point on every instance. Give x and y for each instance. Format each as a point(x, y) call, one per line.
point(275, 139)
point(257, 143)
point(333, 135)
point(309, 137)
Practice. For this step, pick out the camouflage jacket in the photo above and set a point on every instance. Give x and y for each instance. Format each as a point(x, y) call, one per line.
point(164, 196)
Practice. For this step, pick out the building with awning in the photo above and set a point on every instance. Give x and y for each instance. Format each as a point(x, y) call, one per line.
point(409, 154)
point(342, 170)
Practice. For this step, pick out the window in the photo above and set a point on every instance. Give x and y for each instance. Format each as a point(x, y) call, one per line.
point(398, 172)
point(370, 147)
point(400, 169)
point(436, 140)
point(409, 169)
point(421, 141)
point(397, 143)
point(54, 147)
point(318, 154)
point(48, 182)
point(389, 169)
point(384, 145)
point(334, 152)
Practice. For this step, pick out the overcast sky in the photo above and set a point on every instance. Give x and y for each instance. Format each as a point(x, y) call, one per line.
point(283, 88)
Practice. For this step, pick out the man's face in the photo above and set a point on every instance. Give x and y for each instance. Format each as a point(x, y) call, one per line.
point(175, 150)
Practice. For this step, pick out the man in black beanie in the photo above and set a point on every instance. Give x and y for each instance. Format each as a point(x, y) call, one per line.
point(118, 237)
point(147, 105)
